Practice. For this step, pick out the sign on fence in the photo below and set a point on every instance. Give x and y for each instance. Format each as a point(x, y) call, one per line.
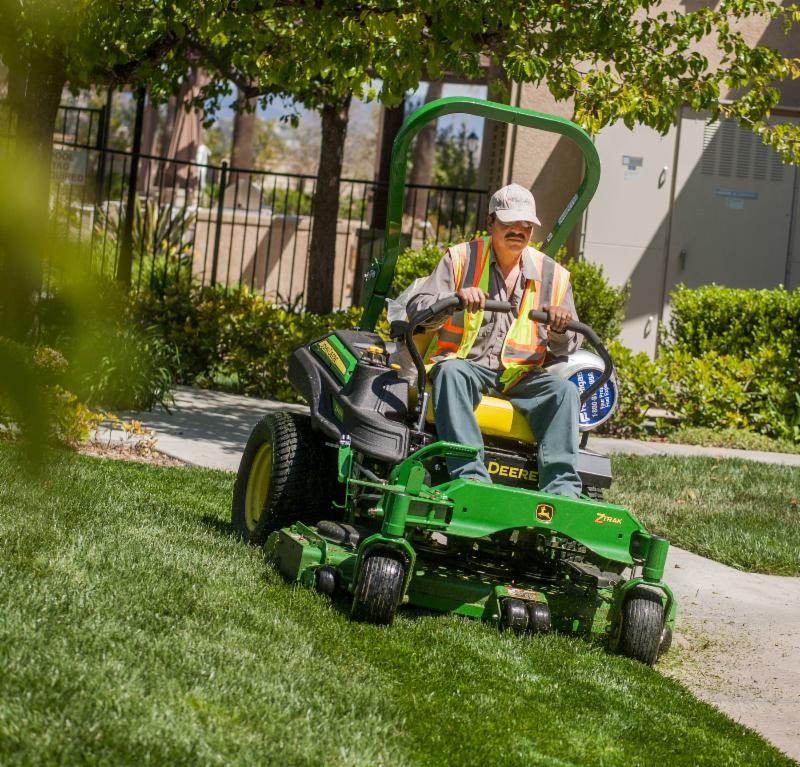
point(68, 165)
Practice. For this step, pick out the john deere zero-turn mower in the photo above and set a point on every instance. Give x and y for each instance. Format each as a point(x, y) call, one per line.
point(354, 500)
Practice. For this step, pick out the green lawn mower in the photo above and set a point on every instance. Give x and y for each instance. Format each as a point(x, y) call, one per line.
point(355, 501)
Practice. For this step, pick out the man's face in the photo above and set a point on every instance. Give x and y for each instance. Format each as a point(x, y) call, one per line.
point(511, 237)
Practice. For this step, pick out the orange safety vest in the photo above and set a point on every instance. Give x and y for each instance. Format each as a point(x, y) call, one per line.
point(525, 344)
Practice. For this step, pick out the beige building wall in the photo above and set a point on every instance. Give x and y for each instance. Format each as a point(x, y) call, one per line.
point(552, 168)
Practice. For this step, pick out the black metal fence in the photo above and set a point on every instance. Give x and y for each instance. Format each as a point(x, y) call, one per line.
point(211, 224)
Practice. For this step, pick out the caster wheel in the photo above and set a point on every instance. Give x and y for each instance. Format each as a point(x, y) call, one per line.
point(380, 586)
point(514, 615)
point(339, 532)
point(538, 618)
point(326, 580)
point(642, 626)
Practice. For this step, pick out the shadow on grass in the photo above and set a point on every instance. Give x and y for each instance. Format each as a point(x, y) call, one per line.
point(221, 526)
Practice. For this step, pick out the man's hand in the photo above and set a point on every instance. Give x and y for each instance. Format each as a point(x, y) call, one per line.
point(474, 299)
point(559, 317)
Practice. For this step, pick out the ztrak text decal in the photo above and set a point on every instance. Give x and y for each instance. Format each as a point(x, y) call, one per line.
point(601, 519)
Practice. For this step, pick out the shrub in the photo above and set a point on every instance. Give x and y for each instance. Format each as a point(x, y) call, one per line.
point(113, 363)
point(413, 263)
point(58, 414)
point(641, 387)
point(233, 337)
point(733, 321)
point(716, 391)
point(753, 337)
point(598, 304)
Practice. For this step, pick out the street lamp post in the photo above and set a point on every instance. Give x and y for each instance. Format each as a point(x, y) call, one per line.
point(472, 147)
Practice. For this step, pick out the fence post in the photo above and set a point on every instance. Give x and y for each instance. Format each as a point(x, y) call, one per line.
point(125, 263)
point(218, 226)
point(102, 144)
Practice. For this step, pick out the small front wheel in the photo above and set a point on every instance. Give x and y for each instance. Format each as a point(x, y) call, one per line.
point(379, 588)
point(515, 615)
point(642, 626)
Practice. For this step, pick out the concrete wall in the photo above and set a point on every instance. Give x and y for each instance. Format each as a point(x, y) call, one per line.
point(270, 253)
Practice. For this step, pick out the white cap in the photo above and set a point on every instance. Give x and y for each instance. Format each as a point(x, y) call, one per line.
point(513, 203)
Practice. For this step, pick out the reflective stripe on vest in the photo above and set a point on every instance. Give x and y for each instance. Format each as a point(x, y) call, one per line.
point(525, 344)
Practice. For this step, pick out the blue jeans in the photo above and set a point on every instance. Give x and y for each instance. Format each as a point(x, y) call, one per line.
point(549, 404)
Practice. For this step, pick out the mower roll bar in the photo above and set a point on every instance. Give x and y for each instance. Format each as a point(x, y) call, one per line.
point(454, 302)
point(378, 278)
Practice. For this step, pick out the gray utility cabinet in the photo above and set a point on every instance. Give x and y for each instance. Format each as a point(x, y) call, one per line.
point(706, 203)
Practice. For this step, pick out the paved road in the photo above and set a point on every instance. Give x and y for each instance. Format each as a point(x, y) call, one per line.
point(739, 633)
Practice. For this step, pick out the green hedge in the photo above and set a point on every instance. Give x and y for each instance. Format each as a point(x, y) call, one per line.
point(113, 361)
point(736, 322)
point(232, 338)
point(731, 361)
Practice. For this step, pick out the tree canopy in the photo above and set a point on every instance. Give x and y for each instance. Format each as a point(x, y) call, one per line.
point(628, 60)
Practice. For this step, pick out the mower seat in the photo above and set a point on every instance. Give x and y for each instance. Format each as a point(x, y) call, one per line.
point(498, 418)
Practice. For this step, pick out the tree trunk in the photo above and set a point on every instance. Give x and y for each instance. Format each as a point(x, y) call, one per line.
point(36, 112)
point(169, 125)
point(326, 207)
point(422, 161)
point(244, 133)
point(149, 128)
point(391, 122)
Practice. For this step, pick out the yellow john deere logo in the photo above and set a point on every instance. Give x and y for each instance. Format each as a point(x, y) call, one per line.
point(331, 354)
point(544, 512)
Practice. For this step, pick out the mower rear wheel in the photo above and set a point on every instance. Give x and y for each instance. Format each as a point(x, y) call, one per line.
point(593, 492)
point(515, 615)
point(642, 626)
point(284, 476)
point(379, 588)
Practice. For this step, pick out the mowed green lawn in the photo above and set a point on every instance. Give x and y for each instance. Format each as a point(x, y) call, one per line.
point(742, 513)
point(136, 630)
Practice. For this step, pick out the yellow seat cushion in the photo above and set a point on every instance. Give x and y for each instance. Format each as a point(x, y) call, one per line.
point(497, 418)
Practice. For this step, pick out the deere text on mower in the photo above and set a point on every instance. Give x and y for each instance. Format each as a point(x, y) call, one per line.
point(355, 499)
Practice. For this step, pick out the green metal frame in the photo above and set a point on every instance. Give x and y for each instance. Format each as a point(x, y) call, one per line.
point(379, 277)
point(474, 510)
point(409, 508)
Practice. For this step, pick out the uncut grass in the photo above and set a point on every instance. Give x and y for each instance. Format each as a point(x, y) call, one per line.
point(137, 630)
point(741, 513)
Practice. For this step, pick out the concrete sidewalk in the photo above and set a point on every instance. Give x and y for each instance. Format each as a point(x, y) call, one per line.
point(738, 634)
point(208, 428)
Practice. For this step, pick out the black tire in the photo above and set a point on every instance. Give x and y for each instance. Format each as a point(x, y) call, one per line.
point(339, 532)
point(378, 592)
point(514, 615)
point(642, 626)
point(326, 580)
point(538, 618)
point(593, 492)
point(286, 475)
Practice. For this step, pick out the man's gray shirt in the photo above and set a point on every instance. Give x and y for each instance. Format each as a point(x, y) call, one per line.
point(489, 341)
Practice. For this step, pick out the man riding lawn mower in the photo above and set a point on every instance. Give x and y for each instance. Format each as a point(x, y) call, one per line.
point(482, 504)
